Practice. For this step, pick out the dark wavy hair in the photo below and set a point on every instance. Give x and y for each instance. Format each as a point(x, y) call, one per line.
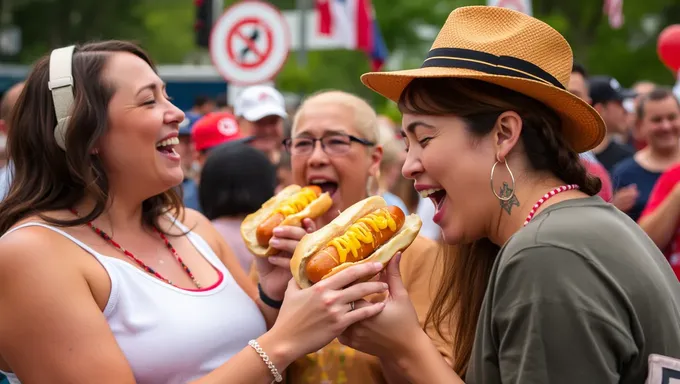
point(236, 180)
point(467, 267)
point(46, 178)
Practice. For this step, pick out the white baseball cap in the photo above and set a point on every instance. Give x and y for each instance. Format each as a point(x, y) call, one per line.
point(260, 101)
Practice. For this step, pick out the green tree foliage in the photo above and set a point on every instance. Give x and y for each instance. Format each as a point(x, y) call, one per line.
point(165, 29)
point(628, 53)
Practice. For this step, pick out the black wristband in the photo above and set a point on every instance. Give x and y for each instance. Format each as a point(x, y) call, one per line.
point(268, 300)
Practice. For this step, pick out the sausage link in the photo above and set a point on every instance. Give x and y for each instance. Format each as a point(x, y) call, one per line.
point(296, 202)
point(265, 231)
point(329, 257)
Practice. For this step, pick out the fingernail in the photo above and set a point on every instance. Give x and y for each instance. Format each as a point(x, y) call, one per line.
point(277, 231)
point(377, 266)
point(385, 286)
point(274, 242)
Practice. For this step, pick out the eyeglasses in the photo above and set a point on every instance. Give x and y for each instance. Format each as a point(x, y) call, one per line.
point(332, 145)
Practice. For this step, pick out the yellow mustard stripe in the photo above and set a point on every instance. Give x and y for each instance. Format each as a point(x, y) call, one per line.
point(297, 202)
point(360, 232)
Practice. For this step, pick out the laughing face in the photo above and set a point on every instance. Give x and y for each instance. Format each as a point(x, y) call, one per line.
point(451, 167)
point(344, 166)
point(660, 124)
point(143, 128)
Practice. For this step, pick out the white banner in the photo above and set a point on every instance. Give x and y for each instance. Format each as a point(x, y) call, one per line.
point(523, 6)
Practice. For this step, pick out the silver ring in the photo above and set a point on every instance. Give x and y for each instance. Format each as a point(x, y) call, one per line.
point(351, 306)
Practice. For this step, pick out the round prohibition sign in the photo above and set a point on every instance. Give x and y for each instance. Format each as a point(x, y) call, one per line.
point(249, 43)
point(244, 40)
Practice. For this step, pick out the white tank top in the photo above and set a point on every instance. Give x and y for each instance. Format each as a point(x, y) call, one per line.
point(168, 334)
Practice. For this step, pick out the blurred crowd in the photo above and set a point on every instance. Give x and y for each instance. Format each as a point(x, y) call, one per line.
point(639, 159)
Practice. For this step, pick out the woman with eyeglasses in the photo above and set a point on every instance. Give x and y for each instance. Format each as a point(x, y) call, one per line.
point(333, 145)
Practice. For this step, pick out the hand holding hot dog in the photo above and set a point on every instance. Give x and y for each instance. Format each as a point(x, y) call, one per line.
point(311, 318)
point(376, 335)
point(368, 231)
point(286, 238)
point(274, 271)
point(287, 208)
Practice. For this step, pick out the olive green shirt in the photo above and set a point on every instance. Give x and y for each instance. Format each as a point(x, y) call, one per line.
point(579, 295)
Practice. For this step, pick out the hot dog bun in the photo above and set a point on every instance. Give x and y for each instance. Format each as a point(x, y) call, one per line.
point(294, 204)
point(251, 222)
point(312, 243)
point(358, 242)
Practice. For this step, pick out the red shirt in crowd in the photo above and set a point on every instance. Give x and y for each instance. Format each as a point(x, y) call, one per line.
point(661, 190)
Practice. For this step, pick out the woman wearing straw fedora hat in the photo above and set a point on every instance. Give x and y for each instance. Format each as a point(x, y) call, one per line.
point(549, 283)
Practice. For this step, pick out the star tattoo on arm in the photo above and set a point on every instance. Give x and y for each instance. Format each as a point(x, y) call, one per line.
point(506, 192)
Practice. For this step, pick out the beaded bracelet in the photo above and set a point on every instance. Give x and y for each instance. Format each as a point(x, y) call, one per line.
point(265, 358)
point(268, 300)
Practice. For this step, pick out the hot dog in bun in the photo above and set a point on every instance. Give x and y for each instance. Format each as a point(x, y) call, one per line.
point(368, 231)
point(288, 207)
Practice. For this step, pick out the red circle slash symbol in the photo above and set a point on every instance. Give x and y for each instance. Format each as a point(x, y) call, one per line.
point(258, 53)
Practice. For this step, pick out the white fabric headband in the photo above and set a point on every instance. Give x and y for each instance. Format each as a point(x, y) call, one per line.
point(61, 86)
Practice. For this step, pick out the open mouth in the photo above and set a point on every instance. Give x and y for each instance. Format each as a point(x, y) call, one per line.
point(437, 195)
point(167, 146)
point(325, 185)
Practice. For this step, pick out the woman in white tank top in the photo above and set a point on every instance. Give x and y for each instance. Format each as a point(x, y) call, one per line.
point(104, 277)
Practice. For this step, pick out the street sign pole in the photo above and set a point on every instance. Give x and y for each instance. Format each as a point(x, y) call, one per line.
point(218, 9)
point(302, 50)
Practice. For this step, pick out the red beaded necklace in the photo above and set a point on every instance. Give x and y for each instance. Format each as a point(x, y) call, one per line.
point(139, 262)
point(546, 197)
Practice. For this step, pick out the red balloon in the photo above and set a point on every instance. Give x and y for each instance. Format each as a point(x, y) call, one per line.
point(668, 47)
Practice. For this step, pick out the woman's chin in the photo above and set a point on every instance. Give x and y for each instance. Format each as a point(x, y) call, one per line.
point(453, 236)
point(172, 179)
point(450, 239)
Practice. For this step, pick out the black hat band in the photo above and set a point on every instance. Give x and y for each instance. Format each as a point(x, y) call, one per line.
point(488, 63)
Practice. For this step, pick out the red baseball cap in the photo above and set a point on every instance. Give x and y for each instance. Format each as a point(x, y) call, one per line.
point(214, 129)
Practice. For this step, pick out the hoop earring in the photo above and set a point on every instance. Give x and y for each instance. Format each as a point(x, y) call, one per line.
point(512, 178)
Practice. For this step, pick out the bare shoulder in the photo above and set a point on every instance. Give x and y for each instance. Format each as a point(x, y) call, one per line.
point(197, 223)
point(31, 256)
point(31, 240)
point(34, 255)
point(190, 218)
point(194, 218)
point(40, 285)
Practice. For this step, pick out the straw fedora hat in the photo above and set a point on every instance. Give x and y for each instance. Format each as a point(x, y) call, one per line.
point(509, 49)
